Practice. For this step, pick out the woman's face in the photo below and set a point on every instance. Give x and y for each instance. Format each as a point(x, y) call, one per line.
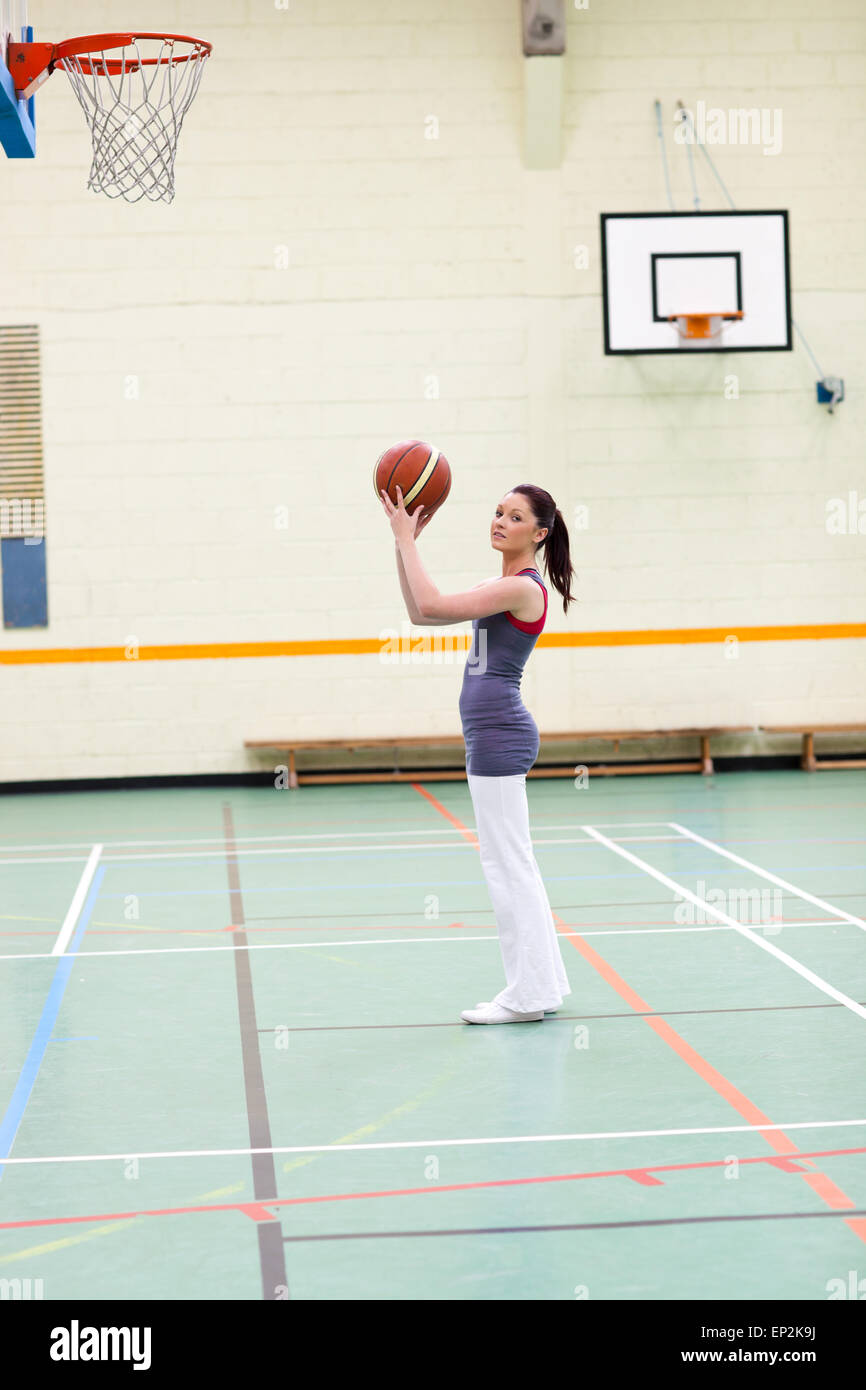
point(514, 528)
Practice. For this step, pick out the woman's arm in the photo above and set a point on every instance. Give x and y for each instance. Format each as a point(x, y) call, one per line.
point(414, 615)
point(435, 609)
point(411, 609)
point(425, 604)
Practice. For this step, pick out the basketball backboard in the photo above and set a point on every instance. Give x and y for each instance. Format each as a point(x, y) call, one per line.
point(17, 134)
point(13, 19)
point(705, 281)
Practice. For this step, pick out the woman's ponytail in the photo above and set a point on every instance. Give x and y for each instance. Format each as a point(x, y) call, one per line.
point(557, 556)
point(557, 559)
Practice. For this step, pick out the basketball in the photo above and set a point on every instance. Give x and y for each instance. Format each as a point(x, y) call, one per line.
point(420, 471)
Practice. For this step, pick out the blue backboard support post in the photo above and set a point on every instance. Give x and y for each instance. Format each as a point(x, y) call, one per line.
point(17, 118)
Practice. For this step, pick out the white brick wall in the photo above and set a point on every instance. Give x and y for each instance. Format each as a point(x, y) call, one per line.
point(408, 258)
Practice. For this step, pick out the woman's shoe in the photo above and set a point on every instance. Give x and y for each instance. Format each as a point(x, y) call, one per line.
point(495, 1013)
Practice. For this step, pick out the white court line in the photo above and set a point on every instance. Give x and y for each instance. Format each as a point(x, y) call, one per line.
point(747, 932)
point(765, 873)
point(621, 824)
point(439, 1143)
point(257, 840)
point(307, 835)
point(305, 849)
point(247, 839)
point(262, 946)
point(70, 920)
point(448, 934)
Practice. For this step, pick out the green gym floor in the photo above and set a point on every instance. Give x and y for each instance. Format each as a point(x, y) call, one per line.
point(232, 1064)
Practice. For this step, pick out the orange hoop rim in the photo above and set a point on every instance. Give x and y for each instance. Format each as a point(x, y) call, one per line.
point(708, 314)
point(696, 326)
point(93, 44)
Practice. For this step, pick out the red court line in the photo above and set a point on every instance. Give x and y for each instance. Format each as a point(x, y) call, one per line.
point(823, 1186)
point(437, 805)
point(258, 1210)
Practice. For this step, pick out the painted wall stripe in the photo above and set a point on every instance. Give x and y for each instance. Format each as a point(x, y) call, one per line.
point(366, 646)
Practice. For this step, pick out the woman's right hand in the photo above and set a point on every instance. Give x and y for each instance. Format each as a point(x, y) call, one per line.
point(421, 519)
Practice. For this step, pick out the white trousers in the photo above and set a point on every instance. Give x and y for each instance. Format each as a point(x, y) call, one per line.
point(535, 976)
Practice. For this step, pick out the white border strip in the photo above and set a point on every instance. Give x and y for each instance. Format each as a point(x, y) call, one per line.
point(748, 932)
point(437, 1143)
point(765, 873)
point(71, 919)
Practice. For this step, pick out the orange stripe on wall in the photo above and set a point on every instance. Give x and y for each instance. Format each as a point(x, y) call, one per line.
point(371, 646)
point(794, 632)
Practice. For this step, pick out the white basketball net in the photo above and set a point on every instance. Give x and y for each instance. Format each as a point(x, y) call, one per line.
point(135, 99)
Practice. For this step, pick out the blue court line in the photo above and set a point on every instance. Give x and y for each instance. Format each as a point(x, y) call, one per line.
point(30, 1070)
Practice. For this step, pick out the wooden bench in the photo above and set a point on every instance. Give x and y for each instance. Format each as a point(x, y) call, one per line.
point(703, 763)
point(808, 760)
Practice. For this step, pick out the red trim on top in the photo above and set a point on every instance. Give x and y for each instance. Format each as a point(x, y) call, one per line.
point(537, 626)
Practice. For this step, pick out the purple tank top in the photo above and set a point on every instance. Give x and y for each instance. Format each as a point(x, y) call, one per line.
point(500, 734)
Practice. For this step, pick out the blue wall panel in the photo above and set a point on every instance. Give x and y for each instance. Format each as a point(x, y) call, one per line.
point(25, 595)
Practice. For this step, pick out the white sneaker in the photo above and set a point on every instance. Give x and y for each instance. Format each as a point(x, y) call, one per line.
point(485, 1004)
point(495, 1013)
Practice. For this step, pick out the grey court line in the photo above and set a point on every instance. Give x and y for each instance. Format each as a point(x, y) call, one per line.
point(269, 1233)
point(556, 1018)
point(469, 911)
point(583, 1226)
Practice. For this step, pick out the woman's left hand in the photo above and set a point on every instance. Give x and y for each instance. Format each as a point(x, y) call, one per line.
point(404, 526)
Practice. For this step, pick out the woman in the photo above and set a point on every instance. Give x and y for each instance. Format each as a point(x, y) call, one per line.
point(500, 734)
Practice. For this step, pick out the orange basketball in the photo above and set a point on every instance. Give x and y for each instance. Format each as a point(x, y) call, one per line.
point(420, 471)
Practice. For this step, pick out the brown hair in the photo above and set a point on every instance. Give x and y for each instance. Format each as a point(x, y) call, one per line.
point(557, 557)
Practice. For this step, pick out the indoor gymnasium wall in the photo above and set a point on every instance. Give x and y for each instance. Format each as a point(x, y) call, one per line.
point(355, 255)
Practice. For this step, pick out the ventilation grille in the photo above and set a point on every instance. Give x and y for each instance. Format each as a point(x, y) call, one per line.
point(22, 480)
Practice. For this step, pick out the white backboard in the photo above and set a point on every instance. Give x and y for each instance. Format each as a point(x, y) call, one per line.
point(655, 265)
point(13, 18)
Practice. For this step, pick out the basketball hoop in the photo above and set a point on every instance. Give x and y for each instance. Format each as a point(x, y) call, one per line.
point(134, 101)
point(701, 326)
